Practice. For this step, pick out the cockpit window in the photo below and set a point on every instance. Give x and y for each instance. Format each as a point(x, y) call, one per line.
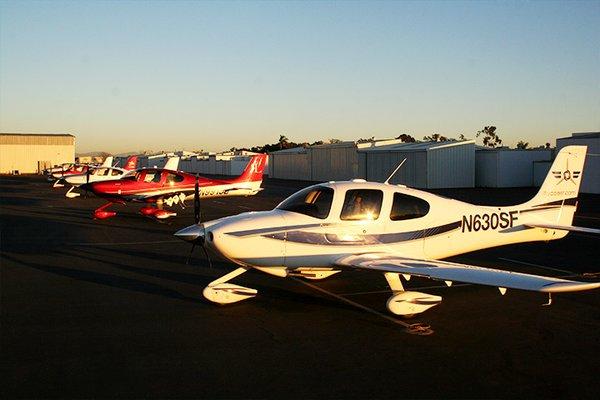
point(152, 176)
point(362, 204)
point(408, 207)
point(100, 171)
point(115, 172)
point(173, 178)
point(312, 201)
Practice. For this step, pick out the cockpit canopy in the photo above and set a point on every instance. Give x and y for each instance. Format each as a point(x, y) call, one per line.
point(358, 204)
point(314, 201)
point(156, 176)
point(104, 171)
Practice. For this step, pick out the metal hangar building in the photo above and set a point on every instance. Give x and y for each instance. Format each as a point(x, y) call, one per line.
point(27, 153)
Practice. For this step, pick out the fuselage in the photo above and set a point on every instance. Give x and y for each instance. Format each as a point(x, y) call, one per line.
point(73, 170)
point(97, 175)
point(321, 223)
point(148, 185)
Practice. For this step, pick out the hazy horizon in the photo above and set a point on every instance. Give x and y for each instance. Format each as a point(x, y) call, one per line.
point(125, 76)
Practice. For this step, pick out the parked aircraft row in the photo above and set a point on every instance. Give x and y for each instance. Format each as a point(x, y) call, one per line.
point(331, 227)
point(160, 186)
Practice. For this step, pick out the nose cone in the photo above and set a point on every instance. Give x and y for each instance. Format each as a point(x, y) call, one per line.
point(192, 234)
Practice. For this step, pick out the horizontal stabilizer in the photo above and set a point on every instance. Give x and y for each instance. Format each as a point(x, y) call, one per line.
point(569, 228)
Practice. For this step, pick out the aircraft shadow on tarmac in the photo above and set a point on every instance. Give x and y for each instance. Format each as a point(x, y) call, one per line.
point(101, 278)
point(206, 274)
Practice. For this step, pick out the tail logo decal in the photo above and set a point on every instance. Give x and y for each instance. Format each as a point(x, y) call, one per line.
point(255, 167)
point(566, 175)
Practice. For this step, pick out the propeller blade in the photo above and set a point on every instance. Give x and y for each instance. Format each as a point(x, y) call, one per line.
point(207, 256)
point(190, 255)
point(87, 180)
point(196, 202)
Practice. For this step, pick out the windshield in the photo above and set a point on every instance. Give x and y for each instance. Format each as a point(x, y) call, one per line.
point(312, 201)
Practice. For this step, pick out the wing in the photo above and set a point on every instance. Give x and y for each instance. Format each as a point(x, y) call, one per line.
point(449, 271)
point(569, 228)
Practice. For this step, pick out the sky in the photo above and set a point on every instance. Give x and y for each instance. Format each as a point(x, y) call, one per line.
point(143, 75)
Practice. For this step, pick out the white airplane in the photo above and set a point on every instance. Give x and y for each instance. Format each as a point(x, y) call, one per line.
point(104, 172)
point(59, 174)
point(395, 230)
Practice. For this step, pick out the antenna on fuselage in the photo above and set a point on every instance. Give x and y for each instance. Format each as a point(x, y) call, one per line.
point(387, 181)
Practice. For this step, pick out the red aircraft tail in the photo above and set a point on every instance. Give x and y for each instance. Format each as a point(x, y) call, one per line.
point(131, 163)
point(254, 170)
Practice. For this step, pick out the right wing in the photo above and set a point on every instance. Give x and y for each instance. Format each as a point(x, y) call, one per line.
point(569, 228)
point(450, 271)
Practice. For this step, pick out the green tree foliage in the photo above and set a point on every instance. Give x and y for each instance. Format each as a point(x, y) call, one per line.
point(490, 137)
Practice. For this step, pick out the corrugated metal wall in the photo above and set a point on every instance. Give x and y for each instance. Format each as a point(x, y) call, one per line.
point(486, 168)
point(451, 167)
point(508, 168)
point(43, 140)
point(591, 170)
point(290, 166)
point(333, 163)
point(378, 165)
point(540, 170)
point(28, 158)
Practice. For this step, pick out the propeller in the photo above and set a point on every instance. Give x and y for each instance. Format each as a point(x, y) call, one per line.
point(87, 181)
point(195, 233)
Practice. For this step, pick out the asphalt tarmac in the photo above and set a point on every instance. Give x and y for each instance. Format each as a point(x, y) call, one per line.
point(110, 309)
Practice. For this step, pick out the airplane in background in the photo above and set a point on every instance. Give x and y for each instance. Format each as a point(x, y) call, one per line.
point(75, 169)
point(167, 186)
point(394, 230)
point(103, 173)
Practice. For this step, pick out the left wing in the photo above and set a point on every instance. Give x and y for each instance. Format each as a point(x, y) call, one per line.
point(449, 271)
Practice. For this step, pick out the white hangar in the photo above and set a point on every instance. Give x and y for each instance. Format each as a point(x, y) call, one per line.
point(26, 153)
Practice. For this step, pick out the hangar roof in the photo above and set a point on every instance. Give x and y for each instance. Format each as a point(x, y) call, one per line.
point(37, 139)
point(417, 146)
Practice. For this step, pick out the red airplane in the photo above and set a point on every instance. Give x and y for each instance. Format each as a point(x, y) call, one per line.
point(165, 186)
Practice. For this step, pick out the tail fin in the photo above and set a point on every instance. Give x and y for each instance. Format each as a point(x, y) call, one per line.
point(172, 163)
point(564, 178)
point(254, 170)
point(107, 162)
point(556, 201)
point(131, 163)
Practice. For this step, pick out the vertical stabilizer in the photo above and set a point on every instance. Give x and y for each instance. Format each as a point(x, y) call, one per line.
point(172, 164)
point(107, 162)
point(254, 170)
point(564, 178)
point(130, 163)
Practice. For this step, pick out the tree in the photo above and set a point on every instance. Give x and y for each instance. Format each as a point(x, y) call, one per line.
point(462, 137)
point(490, 137)
point(547, 145)
point(334, 141)
point(406, 138)
point(283, 142)
point(369, 140)
point(522, 145)
point(436, 137)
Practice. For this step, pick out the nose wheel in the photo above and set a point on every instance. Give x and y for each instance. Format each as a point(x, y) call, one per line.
point(221, 292)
